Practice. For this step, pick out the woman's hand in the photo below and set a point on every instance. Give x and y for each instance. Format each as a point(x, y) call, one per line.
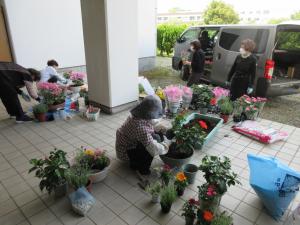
point(186, 63)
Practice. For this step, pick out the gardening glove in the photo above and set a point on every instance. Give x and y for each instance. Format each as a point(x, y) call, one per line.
point(167, 142)
point(249, 90)
point(227, 84)
point(25, 97)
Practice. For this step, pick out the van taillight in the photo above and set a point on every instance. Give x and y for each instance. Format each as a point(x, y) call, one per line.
point(269, 67)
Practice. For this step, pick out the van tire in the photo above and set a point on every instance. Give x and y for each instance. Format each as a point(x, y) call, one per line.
point(262, 86)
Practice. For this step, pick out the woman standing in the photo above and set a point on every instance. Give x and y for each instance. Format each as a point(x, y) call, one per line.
point(242, 73)
point(197, 63)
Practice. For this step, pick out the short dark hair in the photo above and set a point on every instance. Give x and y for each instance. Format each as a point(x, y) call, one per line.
point(35, 74)
point(52, 62)
point(196, 44)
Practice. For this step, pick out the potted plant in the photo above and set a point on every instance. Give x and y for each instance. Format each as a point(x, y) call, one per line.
point(77, 79)
point(96, 162)
point(220, 92)
point(52, 95)
point(218, 175)
point(52, 172)
point(189, 211)
point(226, 108)
point(92, 113)
point(40, 111)
point(204, 217)
point(154, 189)
point(174, 95)
point(202, 96)
point(222, 219)
point(180, 183)
point(190, 171)
point(167, 197)
point(208, 197)
point(166, 174)
point(78, 176)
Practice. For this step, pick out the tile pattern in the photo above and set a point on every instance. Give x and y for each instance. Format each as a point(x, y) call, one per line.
point(119, 200)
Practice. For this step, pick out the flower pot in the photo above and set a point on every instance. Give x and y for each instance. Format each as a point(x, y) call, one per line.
point(41, 117)
point(93, 116)
point(173, 107)
point(163, 104)
point(172, 162)
point(75, 89)
point(56, 107)
point(186, 101)
point(210, 205)
point(89, 185)
point(61, 190)
point(203, 110)
point(155, 198)
point(180, 191)
point(190, 171)
point(99, 175)
point(237, 118)
point(224, 117)
point(166, 208)
point(251, 116)
point(189, 220)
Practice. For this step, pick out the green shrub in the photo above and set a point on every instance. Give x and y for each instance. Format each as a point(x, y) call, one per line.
point(40, 108)
point(168, 195)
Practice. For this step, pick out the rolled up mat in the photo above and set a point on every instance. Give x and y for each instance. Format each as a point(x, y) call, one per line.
point(275, 183)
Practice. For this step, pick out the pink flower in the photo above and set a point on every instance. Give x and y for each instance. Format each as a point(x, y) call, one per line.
point(220, 92)
point(173, 93)
point(248, 108)
point(77, 75)
point(187, 91)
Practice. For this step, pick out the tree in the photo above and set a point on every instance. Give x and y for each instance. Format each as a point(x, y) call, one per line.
point(296, 16)
point(218, 12)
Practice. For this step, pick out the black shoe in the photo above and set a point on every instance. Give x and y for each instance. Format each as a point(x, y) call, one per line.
point(23, 119)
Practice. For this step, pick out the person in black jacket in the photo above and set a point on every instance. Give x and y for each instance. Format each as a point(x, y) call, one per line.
point(242, 74)
point(12, 78)
point(197, 63)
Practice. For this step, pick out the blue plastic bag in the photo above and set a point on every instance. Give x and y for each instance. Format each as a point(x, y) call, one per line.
point(275, 183)
point(82, 201)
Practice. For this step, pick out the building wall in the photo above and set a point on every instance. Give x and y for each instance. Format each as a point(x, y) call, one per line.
point(44, 29)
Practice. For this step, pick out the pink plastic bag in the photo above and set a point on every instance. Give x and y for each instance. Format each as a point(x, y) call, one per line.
point(260, 133)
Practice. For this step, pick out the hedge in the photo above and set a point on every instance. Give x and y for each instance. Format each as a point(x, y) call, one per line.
point(167, 35)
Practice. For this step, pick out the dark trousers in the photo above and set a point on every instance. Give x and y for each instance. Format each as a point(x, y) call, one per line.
point(10, 100)
point(139, 158)
point(195, 78)
point(238, 87)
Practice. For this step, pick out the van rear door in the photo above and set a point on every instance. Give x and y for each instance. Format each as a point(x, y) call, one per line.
point(286, 56)
point(228, 45)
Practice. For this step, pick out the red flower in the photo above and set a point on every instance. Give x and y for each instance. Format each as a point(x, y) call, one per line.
point(213, 101)
point(208, 216)
point(166, 167)
point(203, 124)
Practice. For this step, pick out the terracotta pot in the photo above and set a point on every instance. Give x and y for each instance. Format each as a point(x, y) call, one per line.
point(224, 117)
point(41, 117)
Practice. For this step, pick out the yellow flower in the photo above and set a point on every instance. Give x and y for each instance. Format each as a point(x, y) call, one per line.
point(180, 177)
point(160, 94)
point(89, 152)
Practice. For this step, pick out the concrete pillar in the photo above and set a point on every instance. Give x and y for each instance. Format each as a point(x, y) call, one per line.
point(111, 49)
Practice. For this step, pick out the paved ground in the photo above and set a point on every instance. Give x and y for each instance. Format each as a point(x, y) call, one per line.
point(285, 109)
point(119, 200)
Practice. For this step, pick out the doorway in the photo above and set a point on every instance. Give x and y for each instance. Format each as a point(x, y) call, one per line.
point(5, 50)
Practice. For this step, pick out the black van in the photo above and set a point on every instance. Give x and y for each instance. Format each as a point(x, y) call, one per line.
point(277, 51)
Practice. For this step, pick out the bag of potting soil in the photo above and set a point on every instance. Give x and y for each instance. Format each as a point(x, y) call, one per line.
point(260, 133)
point(82, 201)
point(275, 183)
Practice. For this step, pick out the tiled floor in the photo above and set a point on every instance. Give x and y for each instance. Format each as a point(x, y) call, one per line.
point(119, 200)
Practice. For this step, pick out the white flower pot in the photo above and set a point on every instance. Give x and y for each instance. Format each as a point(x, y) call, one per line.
point(98, 176)
point(75, 89)
point(155, 198)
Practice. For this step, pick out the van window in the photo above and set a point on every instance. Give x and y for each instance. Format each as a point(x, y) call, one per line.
point(231, 39)
point(288, 40)
point(190, 34)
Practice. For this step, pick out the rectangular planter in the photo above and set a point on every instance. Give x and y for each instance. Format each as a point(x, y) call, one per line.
point(212, 133)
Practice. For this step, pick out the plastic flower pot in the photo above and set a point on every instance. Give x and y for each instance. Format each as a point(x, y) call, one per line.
point(189, 220)
point(166, 208)
point(224, 117)
point(173, 107)
point(75, 89)
point(41, 117)
point(237, 118)
point(203, 110)
point(61, 190)
point(155, 198)
point(186, 101)
point(56, 107)
point(174, 162)
point(180, 191)
point(190, 171)
point(99, 175)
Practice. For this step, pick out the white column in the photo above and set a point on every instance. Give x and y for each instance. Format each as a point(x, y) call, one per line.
point(111, 48)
